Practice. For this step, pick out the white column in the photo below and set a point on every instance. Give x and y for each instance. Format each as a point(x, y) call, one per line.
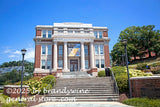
point(91, 55)
point(82, 57)
point(55, 56)
point(65, 58)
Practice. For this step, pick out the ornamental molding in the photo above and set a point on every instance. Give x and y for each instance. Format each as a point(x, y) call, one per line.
point(73, 40)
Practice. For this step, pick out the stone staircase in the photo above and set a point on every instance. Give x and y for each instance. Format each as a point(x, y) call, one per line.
point(96, 89)
point(76, 74)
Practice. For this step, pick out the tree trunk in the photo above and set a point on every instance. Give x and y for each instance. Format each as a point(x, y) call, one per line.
point(149, 54)
point(134, 57)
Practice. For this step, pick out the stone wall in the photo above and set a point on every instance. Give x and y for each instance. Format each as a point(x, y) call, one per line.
point(145, 86)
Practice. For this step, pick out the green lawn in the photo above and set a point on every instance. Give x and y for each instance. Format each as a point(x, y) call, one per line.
point(142, 102)
point(133, 66)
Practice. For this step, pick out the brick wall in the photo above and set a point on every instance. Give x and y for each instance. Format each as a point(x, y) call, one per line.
point(14, 90)
point(107, 59)
point(38, 32)
point(105, 33)
point(37, 56)
point(145, 86)
point(44, 74)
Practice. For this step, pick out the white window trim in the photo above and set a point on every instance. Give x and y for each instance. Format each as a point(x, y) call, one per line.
point(46, 33)
point(98, 34)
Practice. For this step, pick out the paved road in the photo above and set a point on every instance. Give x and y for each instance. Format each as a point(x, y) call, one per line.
point(82, 104)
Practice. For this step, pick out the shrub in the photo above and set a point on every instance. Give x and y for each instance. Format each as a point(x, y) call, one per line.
point(46, 86)
point(118, 70)
point(50, 79)
point(101, 74)
point(143, 102)
point(34, 85)
point(141, 66)
point(155, 64)
point(156, 72)
point(1, 91)
point(19, 83)
point(122, 81)
point(122, 78)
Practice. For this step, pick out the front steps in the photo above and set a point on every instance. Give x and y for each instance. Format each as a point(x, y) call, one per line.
point(75, 74)
point(86, 90)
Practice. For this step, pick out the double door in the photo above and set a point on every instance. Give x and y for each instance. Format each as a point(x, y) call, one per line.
point(73, 65)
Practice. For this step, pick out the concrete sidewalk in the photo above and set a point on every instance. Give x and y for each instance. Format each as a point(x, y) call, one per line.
point(81, 104)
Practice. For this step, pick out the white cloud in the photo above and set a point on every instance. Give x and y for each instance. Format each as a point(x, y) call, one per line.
point(30, 54)
point(17, 52)
point(7, 50)
point(11, 56)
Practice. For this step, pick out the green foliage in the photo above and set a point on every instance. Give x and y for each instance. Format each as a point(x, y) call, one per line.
point(122, 78)
point(50, 79)
point(101, 74)
point(1, 91)
point(141, 66)
point(34, 86)
point(156, 72)
point(14, 104)
point(4, 103)
point(14, 76)
point(122, 82)
point(155, 64)
point(46, 86)
point(19, 83)
point(38, 83)
point(143, 102)
point(139, 40)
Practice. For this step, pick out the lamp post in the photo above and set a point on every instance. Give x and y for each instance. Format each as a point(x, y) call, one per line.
point(124, 41)
point(23, 53)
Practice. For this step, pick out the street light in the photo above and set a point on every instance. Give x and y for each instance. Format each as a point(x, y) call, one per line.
point(124, 41)
point(23, 53)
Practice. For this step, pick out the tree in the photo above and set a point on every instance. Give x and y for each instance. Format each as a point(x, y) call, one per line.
point(141, 40)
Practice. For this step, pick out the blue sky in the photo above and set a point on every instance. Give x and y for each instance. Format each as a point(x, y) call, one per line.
point(18, 19)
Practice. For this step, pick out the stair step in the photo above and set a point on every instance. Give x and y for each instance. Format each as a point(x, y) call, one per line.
point(84, 94)
point(99, 89)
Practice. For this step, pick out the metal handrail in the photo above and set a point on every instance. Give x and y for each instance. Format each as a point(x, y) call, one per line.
point(116, 89)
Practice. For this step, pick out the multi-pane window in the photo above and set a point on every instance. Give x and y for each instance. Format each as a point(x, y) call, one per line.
point(49, 34)
point(86, 64)
point(60, 31)
point(70, 31)
point(43, 64)
point(60, 63)
point(43, 49)
point(96, 34)
point(49, 64)
point(102, 63)
point(101, 49)
point(97, 63)
point(100, 34)
point(49, 49)
point(77, 31)
point(60, 50)
point(44, 33)
point(96, 49)
point(86, 31)
point(86, 50)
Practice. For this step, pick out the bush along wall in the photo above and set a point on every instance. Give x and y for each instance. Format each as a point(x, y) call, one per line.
point(39, 84)
point(122, 78)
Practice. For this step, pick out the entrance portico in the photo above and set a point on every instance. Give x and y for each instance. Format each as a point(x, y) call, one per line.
point(74, 57)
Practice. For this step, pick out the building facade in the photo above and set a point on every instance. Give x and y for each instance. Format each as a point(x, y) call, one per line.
point(70, 47)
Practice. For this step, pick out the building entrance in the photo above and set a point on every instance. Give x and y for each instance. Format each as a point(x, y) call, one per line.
point(73, 65)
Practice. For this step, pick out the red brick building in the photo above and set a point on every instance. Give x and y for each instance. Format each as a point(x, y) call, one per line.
point(70, 47)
